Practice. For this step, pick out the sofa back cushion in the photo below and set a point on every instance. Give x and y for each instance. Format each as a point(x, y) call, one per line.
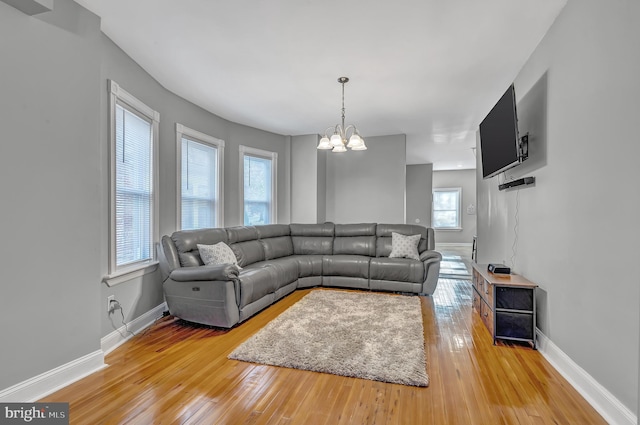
point(312, 239)
point(355, 239)
point(275, 240)
point(384, 231)
point(273, 230)
point(186, 242)
point(245, 244)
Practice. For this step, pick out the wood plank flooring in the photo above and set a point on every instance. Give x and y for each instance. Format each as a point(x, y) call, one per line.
point(178, 373)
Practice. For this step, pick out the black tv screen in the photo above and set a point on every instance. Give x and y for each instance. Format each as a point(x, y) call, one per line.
point(499, 136)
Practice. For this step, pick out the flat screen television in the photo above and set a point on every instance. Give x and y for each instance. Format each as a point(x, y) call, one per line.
point(499, 140)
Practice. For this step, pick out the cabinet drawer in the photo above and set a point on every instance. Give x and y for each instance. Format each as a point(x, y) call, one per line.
point(487, 292)
point(478, 280)
point(476, 301)
point(514, 325)
point(514, 298)
point(487, 315)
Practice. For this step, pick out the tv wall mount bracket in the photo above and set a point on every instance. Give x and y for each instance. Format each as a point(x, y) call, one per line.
point(523, 153)
point(523, 148)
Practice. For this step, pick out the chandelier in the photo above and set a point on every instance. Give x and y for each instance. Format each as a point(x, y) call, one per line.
point(338, 140)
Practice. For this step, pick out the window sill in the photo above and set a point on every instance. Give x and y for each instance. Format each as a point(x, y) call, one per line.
point(126, 275)
point(448, 229)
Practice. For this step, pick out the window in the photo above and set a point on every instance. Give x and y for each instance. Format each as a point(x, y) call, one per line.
point(200, 159)
point(446, 209)
point(133, 182)
point(258, 185)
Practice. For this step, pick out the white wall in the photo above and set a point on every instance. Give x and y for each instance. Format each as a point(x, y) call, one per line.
point(578, 227)
point(368, 186)
point(418, 187)
point(466, 180)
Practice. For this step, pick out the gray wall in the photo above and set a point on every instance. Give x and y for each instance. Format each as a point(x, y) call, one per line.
point(578, 226)
point(53, 160)
point(307, 193)
point(140, 295)
point(368, 186)
point(419, 196)
point(465, 179)
point(322, 186)
point(50, 157)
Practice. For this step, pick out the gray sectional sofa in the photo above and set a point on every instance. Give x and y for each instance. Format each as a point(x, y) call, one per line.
point(277, 259)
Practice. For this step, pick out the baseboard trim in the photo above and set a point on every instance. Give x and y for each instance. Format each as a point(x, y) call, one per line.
point(118, 337)
point(605, 403)
point(40, 386)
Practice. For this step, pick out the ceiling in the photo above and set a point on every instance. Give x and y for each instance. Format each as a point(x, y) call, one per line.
point(430, 69)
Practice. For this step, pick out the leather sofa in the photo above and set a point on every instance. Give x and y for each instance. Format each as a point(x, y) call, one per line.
point(277, 259)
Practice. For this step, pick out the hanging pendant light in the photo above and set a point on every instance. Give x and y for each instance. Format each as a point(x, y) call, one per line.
point(339, 140)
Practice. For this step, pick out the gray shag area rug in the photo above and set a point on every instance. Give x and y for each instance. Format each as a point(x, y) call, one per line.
point(358, 334)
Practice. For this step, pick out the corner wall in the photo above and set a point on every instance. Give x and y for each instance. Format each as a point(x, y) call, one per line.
point(466, 180)
point(50, 219)
point(368, 186)
point(578, 228)
point(419, 194)
point(307, 192)
point(54, 162)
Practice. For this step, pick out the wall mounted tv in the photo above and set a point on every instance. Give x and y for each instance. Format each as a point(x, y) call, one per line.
point(499, 140)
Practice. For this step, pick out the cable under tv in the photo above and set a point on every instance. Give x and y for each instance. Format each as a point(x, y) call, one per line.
point(499, 268)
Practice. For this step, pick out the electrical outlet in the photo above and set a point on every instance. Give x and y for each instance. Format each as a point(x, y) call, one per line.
point(110, 299)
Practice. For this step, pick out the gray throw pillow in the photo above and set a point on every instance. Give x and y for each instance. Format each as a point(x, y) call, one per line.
point(403, 246)
point(219, 253)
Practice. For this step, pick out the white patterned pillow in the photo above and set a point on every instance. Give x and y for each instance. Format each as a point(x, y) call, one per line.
point(403, 246)
point(219, 253)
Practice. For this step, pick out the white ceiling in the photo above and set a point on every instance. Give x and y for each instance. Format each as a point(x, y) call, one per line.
point(430, 69)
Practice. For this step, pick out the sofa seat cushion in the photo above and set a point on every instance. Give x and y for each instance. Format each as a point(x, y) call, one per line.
point(256, 281)
point(281, 272)
point(308, 265)
point(346, 266)
point(286, 270)
point(397, 269)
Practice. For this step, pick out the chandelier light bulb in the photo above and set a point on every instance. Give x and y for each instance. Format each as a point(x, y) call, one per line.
point(360, 147)
point(340, 148)
point(354, 141)
point(325, 143)
point(336, 140)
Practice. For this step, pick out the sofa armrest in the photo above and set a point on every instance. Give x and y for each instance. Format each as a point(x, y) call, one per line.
point(205, 273)
point(430, 256)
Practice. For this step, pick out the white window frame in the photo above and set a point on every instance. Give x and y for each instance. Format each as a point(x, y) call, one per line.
point(273, 156)
point(119, 274)
point(205, 139)
point(459, 207)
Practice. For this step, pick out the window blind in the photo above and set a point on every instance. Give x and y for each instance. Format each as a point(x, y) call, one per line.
point(198, 184)
point(257, 190)
point(133, 187)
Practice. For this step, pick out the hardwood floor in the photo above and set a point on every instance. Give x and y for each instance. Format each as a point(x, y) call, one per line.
point(177, 373)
